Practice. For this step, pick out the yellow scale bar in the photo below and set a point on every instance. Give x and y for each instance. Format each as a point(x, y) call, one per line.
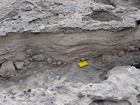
point(83, 63)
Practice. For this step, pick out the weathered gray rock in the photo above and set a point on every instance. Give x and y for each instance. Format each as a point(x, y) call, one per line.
point(132, 48)
point(115, 88)
point(29, 51)
point(54, 63)
point(67, 16)
point(59, 63)
point(7, 69)
point(121, 53)
point(19, 65)
point(122, 84)
point(121, 88)
point(49, 60)
point(57, 15)
point(26, 62)
point(39, 57)
point(83, 59)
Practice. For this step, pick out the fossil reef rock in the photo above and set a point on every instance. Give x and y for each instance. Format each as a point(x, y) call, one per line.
point(115, 90)
point(41, 42)
point(66, 16)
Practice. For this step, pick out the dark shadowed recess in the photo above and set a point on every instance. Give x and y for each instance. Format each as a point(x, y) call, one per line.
point(104, 16)
point(108, 2)
point(106, 102)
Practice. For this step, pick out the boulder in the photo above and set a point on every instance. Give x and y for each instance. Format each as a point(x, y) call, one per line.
point(7, 69)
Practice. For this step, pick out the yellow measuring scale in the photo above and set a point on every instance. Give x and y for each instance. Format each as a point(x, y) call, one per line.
point(83, 63)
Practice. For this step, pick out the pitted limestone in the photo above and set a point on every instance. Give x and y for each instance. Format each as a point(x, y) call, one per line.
point(56, 16)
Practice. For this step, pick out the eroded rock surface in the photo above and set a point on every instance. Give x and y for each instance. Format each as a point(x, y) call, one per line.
point(44, 39)
point(19, 65)
point(7, 69)
point(66, 16)
point(116, 90)
point(39, 57)
point(88, 27)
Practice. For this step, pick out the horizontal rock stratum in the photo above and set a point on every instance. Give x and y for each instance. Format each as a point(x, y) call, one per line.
point(66, 16)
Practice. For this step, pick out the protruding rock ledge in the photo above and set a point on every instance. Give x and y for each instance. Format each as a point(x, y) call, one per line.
point(67, 16)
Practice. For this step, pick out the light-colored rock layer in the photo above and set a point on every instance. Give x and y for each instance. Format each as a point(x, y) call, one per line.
point(66, 16)
point(121, 86)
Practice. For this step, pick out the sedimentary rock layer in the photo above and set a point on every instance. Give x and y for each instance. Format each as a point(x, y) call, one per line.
point(66, 16)
point(67, 47)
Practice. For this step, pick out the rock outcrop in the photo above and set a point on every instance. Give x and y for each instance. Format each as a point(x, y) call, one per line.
point(88, 27)
point(121, 88)
point(66, 16)
point(36, 35)
point(67, 30)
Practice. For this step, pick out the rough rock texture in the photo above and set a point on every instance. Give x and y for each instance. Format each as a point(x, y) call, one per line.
point(67, 47)
point(7, 69)
point(19, 65)
point(66, 16)
point(81, 21)
point(116, 90)
point(39, 57)
point(46, 34)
